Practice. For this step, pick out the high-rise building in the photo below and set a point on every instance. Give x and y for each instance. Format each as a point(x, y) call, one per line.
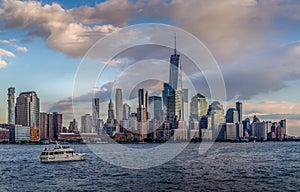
point(73, 126)
point(216, 112)
point(143, 105)
point(57, 124)
point(50, 125)
point(95, 109)
point(126, 111)
point(11, 105)
point(283, 126)
point(175, 95)
point(232, 116)
point(185, 105)
point(86, 123)
point(119, 104)
point(259, 130)
point(239, 108)
point(198, 107)
point(175, 76)
point(28, 109)
point(44, 130)
point(155, 104)
point(111, 116)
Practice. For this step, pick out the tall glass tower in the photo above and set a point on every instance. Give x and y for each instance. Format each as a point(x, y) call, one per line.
point(174, 98)
point(96, 111)
point(119, 104)
point(11, 105)
point(28, 109)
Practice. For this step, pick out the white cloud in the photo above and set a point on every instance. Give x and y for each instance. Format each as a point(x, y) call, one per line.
point(21, 49)
point(58, 26)
point(5, 53)
point(2, 63)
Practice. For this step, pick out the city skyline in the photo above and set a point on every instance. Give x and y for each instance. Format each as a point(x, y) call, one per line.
point(258, 61)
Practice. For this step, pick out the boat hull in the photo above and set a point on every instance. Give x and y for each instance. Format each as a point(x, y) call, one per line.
point(74, 157)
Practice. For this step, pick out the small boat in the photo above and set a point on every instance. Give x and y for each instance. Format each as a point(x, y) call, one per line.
point(60, 153)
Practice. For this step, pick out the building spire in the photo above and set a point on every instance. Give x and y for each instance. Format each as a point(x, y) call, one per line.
point(175, 43)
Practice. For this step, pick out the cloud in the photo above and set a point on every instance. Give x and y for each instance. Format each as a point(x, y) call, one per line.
point(57, 26)
point(5, 53)
point(263, 74)
point(21, 49)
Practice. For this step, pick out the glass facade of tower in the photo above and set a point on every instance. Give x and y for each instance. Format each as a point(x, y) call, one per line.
point(11, 105)
point(95, 110)
point(119, 104)
point(28, 109)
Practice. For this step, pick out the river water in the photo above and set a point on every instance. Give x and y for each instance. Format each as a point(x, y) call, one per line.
point(270, 166)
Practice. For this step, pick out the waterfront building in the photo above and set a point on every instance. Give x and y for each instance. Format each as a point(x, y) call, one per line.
point(126, 111)
point(185, 107)
point(73, 126)
point(216, 112)
point(259, 130)
point(239, 108)
point(28, 109)
point(95, 111)
point(174, 90)
point(232, 116)
point(50, 125)
point(11, 105)
point(86, 124)
point(119, 104)
point(198, 107)
point(155, 107)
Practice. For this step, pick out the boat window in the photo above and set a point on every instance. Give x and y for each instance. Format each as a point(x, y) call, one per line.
point(44, 153)
point(51, 153)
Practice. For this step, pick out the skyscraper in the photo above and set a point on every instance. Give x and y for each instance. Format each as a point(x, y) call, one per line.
point(11, 105)
point(175, 76)
point(111, 116)
point(57, 124)
point(142, 113)
point(143, 105)
point(155, 105)
point(50, 125)
point(28, 109)
point(126, 111)
point(185, 104)
point(239, 108)
point(232, 116)
point(216, 112)
point(198, 107)
point(174, 98)
point(95, 109)
point(119, 104)
point(86, 123)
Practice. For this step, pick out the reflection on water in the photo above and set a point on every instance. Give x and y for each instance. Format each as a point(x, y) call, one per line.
point(225, 167)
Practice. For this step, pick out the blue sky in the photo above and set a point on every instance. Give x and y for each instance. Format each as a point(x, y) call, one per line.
point(256, 44)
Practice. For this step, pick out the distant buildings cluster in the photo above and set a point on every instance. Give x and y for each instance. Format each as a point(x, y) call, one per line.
point(158, 118)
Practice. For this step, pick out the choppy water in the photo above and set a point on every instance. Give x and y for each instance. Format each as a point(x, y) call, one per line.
point(272, 166)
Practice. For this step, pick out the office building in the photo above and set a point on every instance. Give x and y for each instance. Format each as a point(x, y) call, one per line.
point(11, 105)
point(126, 111)
point(86, 124)
point(232, 116)
point(198, 107)
point(155, 107)
point(95, 111)
point(216, 112)
point(50, 125)
point(119, 104)
point(28, 109)
point(239, 108)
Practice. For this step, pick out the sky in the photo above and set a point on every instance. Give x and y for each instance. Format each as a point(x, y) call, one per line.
point(255, 43)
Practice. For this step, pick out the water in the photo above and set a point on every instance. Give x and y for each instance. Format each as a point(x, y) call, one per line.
point(271, 166)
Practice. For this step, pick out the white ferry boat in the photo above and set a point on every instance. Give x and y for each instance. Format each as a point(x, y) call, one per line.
point(60, 153)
